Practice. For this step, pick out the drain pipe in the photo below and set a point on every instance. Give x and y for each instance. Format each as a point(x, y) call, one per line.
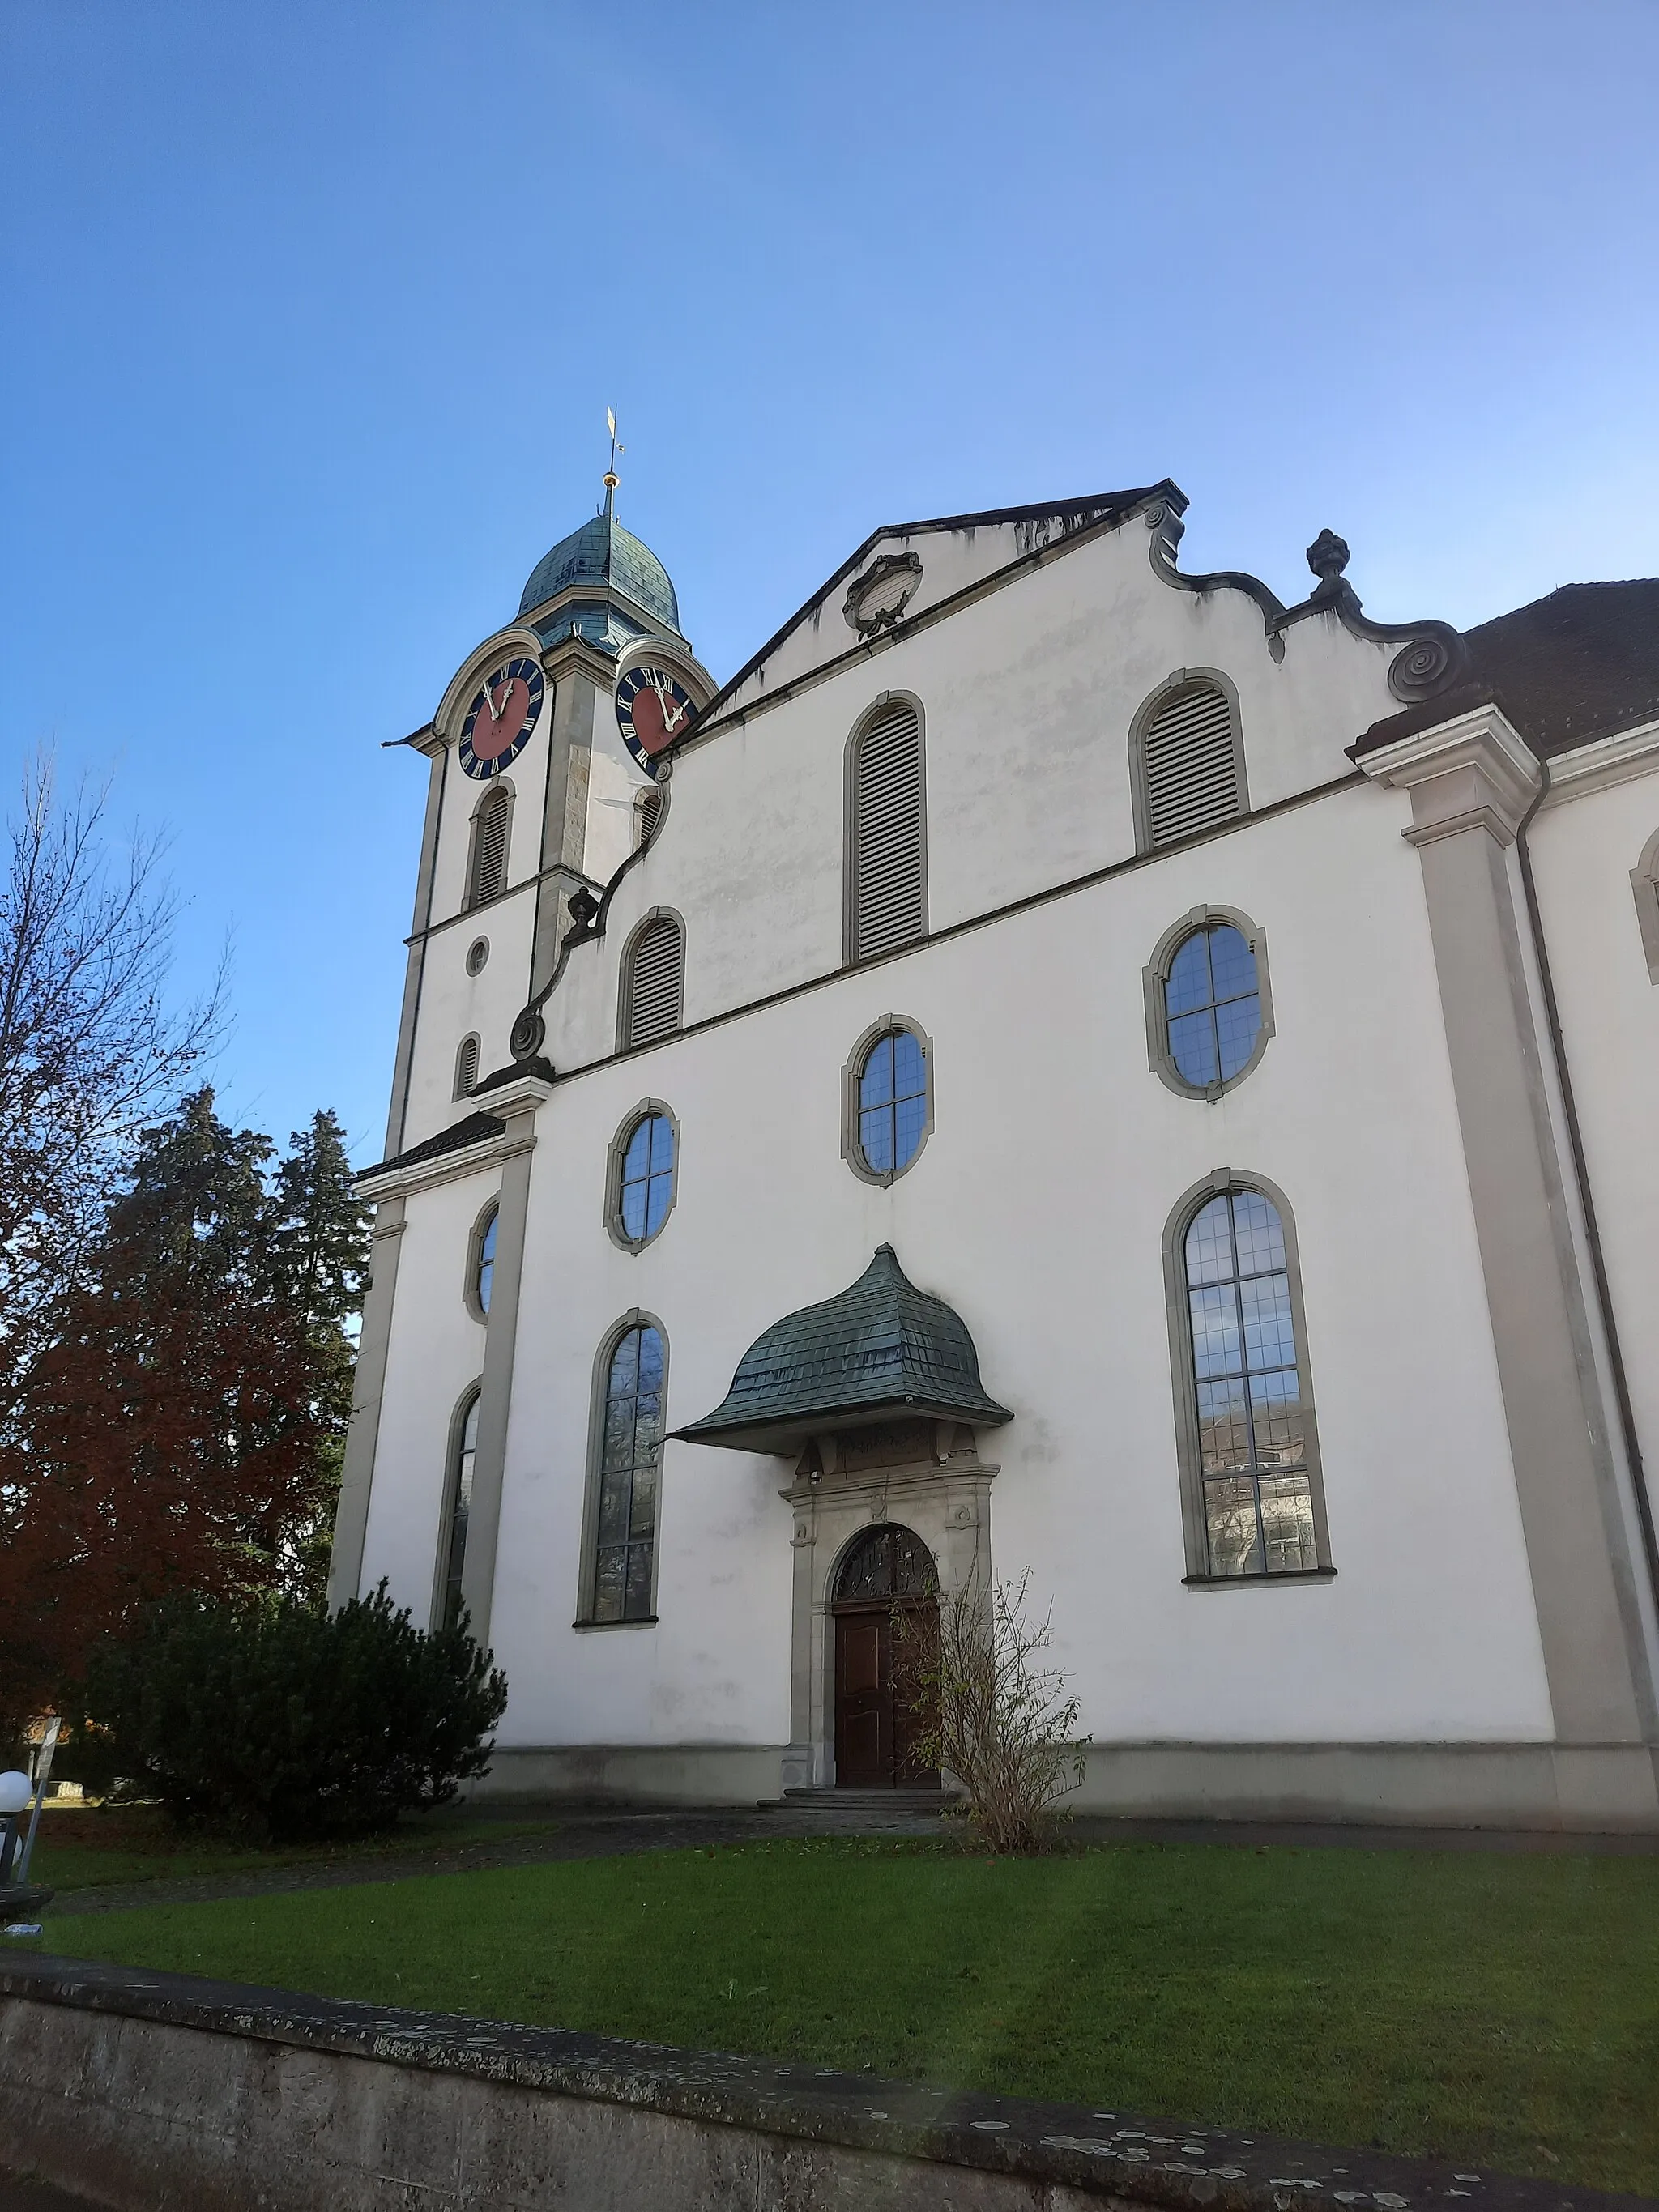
point(1586, 1199)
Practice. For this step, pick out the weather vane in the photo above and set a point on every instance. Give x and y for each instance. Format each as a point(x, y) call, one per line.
point(611, 479)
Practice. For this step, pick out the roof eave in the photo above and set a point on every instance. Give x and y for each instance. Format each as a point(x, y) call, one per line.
point(787, 1430)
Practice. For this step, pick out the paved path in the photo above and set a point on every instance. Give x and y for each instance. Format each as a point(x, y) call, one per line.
point(586, 1833)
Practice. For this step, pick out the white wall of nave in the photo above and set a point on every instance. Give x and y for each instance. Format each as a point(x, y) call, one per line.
point(1027, 697)
point(1037, 1209)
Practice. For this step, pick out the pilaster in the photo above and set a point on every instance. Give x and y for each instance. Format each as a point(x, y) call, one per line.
point(368, 1382)
point(516, 1104)
point(1472, 781)
point(564, 811)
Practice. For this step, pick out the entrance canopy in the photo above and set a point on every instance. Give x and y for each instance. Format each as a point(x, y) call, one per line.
point(881, 1348)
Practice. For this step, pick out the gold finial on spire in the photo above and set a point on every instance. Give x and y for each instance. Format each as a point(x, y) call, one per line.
point(611, 479)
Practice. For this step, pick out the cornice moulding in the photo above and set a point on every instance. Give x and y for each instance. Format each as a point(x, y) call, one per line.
point(1474, 771)
point(1604, 762)
point(422, 1175)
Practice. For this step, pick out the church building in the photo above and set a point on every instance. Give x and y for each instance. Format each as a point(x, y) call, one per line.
point(1059, 1066)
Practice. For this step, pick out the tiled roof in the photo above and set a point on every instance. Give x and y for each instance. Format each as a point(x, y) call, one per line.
point(471, 1130)
point(881, 1346)
point(603, 554)
point(1578, 664)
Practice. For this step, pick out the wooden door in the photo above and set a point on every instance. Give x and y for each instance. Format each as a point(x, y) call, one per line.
point(864, 1699)
point(878, 1717)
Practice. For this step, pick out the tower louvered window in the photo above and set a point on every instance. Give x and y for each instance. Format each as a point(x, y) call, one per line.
point(1190, 765)
point(491, 829)
point(467, 1067)
point(888, 905)
point(650, 814)
point(651, 982)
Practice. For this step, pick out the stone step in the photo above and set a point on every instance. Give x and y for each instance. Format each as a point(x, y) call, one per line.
point(862, 1801)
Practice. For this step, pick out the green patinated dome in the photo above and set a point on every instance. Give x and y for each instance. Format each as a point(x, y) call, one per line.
point(881, 1346)
point(601, 553)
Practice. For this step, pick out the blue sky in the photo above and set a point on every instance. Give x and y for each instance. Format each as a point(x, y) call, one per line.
point(313, 311)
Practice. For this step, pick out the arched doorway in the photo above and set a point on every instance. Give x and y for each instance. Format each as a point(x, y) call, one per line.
point(885, 1569)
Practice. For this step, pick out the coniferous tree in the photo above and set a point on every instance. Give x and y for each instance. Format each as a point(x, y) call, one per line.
point(184, 1431)
point(320, 1244)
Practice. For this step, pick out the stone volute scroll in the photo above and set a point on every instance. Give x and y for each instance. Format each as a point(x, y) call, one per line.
point(1432, 655)
point(529, 1031)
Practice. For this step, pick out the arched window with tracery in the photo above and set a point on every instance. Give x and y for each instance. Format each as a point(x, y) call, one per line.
point(886, 842)
point(1644, 883)
point(458, 1504)
point(1249, 1451)
point(626, 1455)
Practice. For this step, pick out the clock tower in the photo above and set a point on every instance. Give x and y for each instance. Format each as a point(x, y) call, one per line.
point(545, 752)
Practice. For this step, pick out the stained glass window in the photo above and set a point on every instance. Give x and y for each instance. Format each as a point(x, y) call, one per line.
point(647, 1184)
point(1252, 1427)
point(630, 1447)
point(1213, 1005)
point(892, 1102)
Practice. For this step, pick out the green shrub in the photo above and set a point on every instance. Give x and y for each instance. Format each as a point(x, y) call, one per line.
point(281, 1722)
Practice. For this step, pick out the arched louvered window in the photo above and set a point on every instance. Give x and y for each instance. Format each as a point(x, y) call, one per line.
point(467, 1067)
point(648, 813)
point(1189, 763)
point(886, 861)
point(491, 827)
point(653, 973)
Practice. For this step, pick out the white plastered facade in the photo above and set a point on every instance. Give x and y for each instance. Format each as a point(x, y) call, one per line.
point(1414, 1683)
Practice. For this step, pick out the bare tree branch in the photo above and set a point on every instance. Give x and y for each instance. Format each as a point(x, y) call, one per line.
point(90, 1048)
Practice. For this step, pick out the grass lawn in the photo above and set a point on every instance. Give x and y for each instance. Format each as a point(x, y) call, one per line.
point(91, 1846)
point(1500, 2009)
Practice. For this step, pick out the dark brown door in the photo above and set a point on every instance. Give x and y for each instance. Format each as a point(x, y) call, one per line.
point(864, 1699)
point(877, 1716)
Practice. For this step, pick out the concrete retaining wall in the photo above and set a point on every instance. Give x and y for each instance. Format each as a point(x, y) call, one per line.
point(146, 2092)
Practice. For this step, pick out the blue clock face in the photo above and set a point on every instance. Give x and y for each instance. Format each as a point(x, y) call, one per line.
point(652, 709)
point(501, 720)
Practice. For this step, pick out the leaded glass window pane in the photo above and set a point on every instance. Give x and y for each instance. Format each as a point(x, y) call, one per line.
point(647, 1178)
point(892, 1102)
point(484, 1280)
point(460, 1507)
point(1213, 1005)
point(1249, 1397)
point(630, 1447)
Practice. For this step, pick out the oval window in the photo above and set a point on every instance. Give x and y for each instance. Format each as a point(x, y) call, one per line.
point(1213, 1005)
point(646, 1185)
point(892, 1102)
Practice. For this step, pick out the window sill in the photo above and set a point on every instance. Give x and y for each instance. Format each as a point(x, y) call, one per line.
point(1258, 1581)
point(649, 1620)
